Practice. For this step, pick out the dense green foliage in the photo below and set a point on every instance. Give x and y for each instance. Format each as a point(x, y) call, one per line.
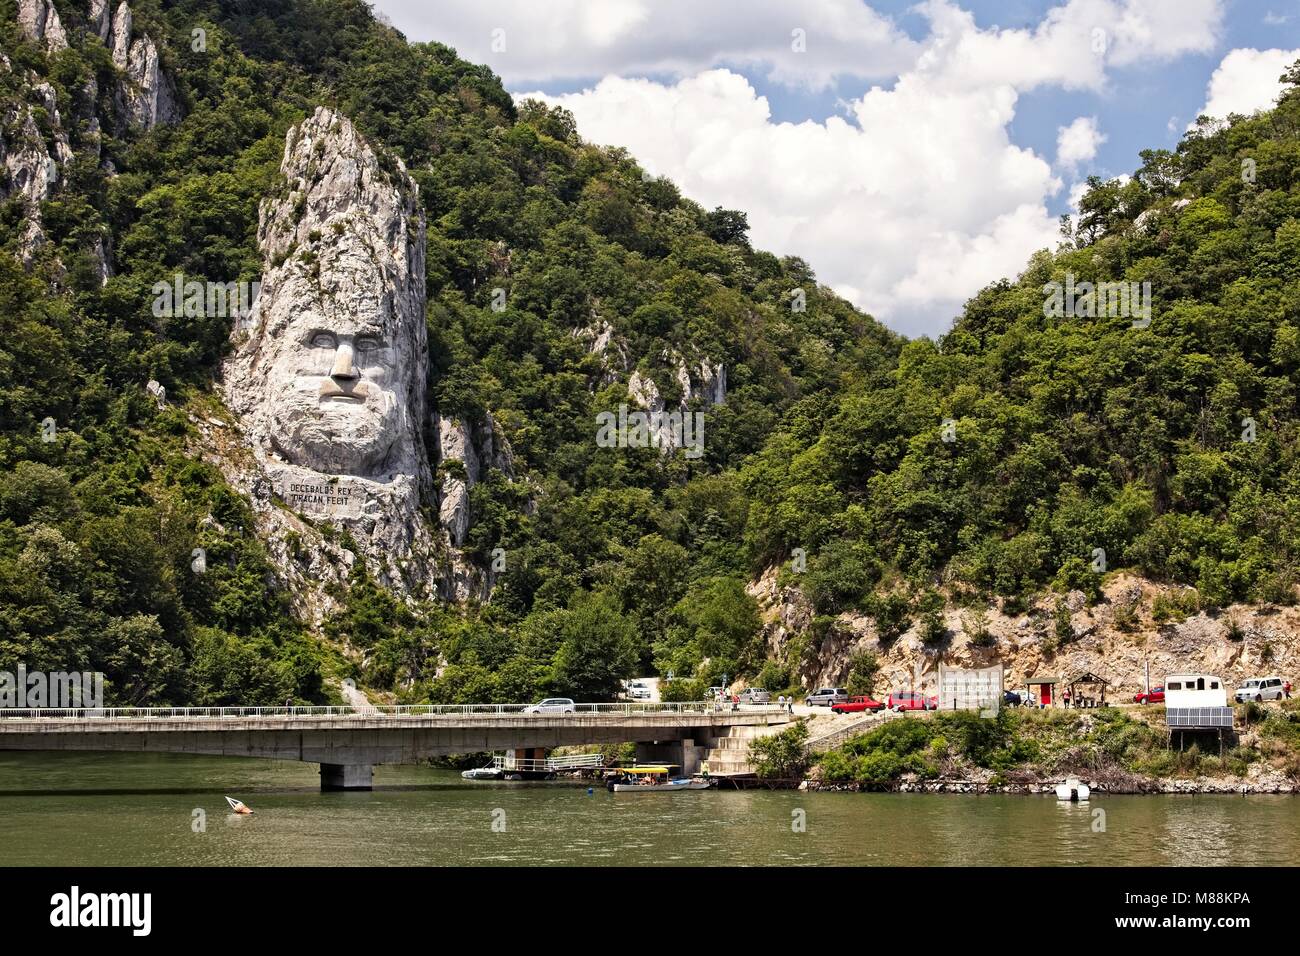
point(1072, 434)
point(783, 755)
point(1031, 745)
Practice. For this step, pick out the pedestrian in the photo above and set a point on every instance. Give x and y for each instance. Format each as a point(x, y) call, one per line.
point(789, 705)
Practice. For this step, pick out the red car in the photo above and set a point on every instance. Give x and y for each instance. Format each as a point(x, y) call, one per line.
point(911, 700)
point(856, 705)
point(1156, 696)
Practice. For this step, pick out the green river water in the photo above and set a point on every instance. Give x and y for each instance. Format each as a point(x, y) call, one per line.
point(138, 810)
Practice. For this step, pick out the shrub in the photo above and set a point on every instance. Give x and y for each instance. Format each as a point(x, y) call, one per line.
point(783, 755)
point(892, 615)
point(773, 677)
point(863, 669)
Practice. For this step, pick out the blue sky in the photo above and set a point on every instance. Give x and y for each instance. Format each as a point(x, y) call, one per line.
point(911, 152)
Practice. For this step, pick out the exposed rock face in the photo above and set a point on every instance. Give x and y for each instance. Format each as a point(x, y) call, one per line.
point(39, 21)
point(328, 377)
point(148, 97)
point(475, 451)
point(100, 18)
point(706, 381)
point(1023, 643)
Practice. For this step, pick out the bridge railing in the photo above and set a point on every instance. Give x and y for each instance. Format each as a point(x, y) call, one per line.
point(396, 711)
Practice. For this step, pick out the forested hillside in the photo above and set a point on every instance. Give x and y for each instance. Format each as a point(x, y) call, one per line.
point(1067, 435)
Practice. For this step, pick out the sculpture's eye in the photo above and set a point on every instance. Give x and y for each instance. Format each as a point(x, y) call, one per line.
point(366, 345)
point(322, 340)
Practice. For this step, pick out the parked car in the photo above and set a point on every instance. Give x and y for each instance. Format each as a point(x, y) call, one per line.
point(638, 690)
point(856, 705)
point(1155, 696)
point(714, 693)
point(826, 696)
point(1012, 698)
point(553, 705)
point(755, 695)
point(1263, 688)
point(902, 700)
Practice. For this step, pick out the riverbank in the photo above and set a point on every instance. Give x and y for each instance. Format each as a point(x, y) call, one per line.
point(1113, 750)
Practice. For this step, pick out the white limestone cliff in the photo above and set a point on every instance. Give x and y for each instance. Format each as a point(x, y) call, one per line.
point(39, 21)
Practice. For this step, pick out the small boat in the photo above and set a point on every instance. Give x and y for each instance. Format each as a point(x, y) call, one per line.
point(237, 806)
point(652, 780)
point(483, 773)
point(1072, 790)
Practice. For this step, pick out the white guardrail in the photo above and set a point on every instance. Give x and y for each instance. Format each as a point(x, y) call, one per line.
point(630, 709)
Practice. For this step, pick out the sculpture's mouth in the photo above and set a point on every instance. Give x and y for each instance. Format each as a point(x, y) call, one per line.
point(353, 394)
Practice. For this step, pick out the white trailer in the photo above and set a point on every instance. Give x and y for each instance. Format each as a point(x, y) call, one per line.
point(1194, 690)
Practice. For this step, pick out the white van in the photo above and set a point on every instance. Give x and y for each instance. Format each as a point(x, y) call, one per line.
point(1263, 688)
point(1195, 690)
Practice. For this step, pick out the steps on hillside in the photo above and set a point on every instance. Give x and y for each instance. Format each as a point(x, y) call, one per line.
point(728, 753)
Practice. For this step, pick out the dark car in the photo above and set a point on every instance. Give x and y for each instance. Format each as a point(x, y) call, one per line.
point(1012, 699)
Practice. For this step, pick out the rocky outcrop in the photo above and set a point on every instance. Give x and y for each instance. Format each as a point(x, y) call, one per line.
point(1117, 638)
point(39, 22)
point(704, 381)
point(147, 95)
point(602, 341)
point(327, 382)
point(328, 373)
point(100, 18)
point(465, 454)
point(30, 171)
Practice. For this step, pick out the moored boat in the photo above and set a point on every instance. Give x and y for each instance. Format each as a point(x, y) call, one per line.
point(652, 780)
point(237, 806)
point(1072, 790)
point(483, 773)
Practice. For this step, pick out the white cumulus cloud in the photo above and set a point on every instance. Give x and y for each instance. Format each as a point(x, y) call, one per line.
point(799, 42)
point(908, 203)
point(1247, 80)
point(1078, 142)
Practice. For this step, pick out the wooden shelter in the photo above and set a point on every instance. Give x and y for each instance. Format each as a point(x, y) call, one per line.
point(1087, 690)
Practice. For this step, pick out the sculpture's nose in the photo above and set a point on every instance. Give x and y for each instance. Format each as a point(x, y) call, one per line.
point(343, 367)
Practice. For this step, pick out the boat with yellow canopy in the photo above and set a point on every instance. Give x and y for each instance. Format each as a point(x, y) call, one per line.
point(653, 778)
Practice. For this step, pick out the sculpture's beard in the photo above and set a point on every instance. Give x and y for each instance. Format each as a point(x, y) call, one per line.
point(337, 428)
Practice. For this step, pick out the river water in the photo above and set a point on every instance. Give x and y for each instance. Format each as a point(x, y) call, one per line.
point(136, 809)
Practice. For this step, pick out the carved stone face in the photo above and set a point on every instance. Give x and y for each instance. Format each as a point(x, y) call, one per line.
point(338, 407)
point(329, 375)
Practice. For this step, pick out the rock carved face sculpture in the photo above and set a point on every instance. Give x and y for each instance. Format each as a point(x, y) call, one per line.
point(339, 393)
point(330, 376)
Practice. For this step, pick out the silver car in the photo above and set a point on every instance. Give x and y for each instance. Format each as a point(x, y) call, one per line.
point(755, 695)
point(825, 696)
point(1263, 688)
point(553, 705)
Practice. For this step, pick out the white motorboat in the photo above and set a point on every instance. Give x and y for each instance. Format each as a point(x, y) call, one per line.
point(1072, 790)
point(483, 773)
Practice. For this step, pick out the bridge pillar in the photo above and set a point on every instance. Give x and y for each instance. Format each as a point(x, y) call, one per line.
point(346, 776)
point(683, 754)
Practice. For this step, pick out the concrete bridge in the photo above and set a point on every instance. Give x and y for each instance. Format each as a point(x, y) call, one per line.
point(347, 743)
